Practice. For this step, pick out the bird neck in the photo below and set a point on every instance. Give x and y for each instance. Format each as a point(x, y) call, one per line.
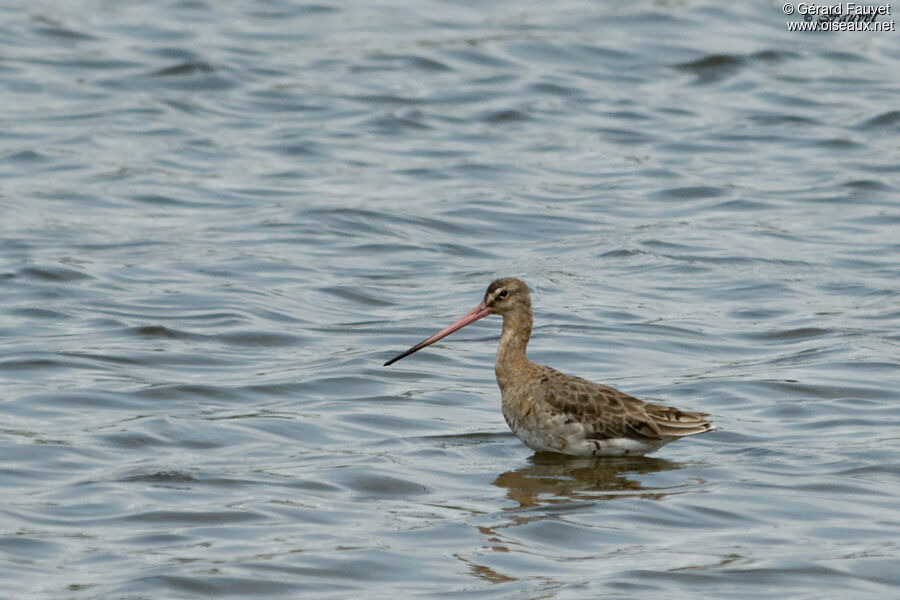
point(513, 341)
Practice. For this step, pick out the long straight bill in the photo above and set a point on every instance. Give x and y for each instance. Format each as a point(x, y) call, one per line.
point(478, 312)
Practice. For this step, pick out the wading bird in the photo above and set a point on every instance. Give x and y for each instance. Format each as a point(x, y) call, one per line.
point(554, 412)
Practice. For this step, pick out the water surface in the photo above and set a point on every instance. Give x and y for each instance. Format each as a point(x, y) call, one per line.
point(219, 220)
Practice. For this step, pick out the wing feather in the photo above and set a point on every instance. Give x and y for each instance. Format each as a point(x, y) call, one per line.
point(607, 413)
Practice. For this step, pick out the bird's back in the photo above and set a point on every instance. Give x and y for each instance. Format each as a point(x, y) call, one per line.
point(555, 412)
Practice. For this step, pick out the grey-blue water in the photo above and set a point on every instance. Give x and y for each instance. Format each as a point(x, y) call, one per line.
point(220, 218)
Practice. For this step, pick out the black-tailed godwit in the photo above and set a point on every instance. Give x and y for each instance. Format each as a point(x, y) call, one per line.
point(554, 412)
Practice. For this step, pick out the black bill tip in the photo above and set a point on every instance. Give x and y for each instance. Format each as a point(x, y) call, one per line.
point(403, 355)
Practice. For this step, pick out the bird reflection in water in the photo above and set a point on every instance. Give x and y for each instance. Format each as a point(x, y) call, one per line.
point(555, 479)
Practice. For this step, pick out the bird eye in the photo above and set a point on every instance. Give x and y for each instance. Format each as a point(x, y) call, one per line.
point(503, 294)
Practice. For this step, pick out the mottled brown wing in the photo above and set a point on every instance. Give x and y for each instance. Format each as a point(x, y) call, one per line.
point(608, 413)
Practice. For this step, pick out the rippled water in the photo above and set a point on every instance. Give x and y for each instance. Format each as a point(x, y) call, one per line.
point(219, 219)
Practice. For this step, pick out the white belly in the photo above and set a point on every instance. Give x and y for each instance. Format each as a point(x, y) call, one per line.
point(554, 435)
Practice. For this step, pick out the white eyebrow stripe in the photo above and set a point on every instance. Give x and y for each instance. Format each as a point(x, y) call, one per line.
point(494, 295)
